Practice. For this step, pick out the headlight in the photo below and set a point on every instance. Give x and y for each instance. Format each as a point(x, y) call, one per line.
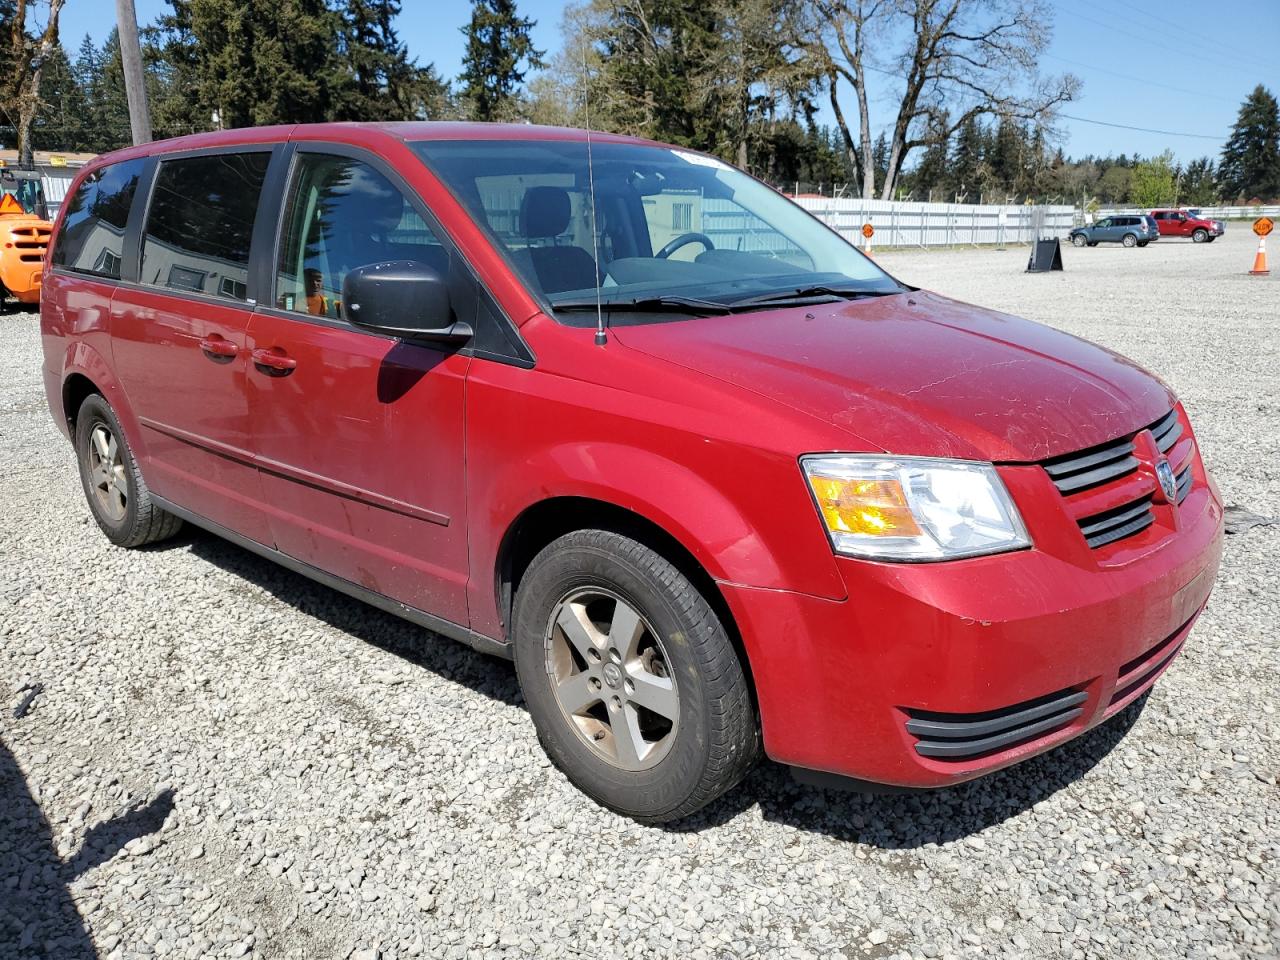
point(906, 508)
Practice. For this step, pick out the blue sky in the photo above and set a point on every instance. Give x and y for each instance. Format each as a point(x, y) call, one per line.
point(1162, 64)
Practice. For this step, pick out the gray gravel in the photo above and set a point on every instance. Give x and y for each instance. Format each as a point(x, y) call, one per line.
point(228, 761)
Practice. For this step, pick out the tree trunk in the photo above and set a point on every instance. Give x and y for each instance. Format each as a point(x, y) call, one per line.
point(29, 66)
point(852, 151)
point(868, 152)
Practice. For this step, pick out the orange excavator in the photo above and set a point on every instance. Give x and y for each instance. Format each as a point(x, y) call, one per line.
point(24, 235)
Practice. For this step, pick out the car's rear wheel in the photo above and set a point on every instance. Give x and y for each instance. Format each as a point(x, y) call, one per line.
point(1079, 240)
point(1130, 240)
point(1093, 243)
point(634, 686)
point(1200, 235)
point(117, 495)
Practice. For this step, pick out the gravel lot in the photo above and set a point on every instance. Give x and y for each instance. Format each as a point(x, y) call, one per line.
point(227, 760)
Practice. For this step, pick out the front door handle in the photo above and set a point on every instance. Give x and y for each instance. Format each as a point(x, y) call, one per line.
point(273, 361)
point(218, 348)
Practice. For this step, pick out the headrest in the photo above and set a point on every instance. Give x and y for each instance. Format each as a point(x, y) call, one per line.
point(545, 212)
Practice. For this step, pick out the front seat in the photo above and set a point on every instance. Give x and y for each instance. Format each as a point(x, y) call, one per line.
point(544, 215)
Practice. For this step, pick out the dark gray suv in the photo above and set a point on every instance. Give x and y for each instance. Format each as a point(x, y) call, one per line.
point(1129, 229)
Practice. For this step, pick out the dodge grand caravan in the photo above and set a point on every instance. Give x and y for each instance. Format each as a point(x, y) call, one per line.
point(716, 482)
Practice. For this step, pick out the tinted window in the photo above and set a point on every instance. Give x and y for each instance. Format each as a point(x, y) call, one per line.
point(342, 214)
point(92, 235)
point(201, 223)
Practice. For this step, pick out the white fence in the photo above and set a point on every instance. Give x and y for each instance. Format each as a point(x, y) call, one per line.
point(910, 224)
point(1212, 213)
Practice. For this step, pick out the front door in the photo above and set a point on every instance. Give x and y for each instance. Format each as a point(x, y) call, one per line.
point(359, 437)
point(178, 337)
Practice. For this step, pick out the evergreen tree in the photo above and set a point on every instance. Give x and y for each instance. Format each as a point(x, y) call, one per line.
point(499, 54)
point(968, 159)
point(379, 80)
point(1199, 183)
point(1251, 158)
point(60, 122)
point(250, 64)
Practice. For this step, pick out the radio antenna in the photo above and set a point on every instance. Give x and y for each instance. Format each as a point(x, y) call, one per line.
point(601, 339)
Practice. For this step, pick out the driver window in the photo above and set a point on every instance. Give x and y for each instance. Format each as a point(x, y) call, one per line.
point(341, 214)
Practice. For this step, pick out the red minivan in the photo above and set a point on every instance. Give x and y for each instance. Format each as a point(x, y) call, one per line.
point(615, 410)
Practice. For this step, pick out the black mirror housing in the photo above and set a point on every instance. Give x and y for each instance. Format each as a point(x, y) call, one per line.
point(405, 298)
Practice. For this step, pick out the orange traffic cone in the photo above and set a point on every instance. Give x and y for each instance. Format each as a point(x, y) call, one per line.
point(1260, 259)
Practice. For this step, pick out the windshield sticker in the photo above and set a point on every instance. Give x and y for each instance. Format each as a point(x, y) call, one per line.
point(699, 160)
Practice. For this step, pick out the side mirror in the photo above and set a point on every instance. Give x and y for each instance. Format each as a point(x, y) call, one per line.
point(404, 298)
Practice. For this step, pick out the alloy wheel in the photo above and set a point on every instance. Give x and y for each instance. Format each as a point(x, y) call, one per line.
point(610, 676)
point(107, 474)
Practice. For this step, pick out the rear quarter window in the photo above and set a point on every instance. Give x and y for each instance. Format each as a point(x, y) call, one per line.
point(200, 223)
point(92, 236)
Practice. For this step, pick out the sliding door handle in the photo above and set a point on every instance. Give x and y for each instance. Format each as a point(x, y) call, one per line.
point(273, 361)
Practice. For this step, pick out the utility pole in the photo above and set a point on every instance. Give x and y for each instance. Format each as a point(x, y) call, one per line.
point(135, 83)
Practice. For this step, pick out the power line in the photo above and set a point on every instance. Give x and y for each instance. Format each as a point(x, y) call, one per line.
point(1146, 39)
point(1125, 126)
point(1180, 32)
point(1126, 76)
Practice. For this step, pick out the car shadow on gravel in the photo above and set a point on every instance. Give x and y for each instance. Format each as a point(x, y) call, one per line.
point(905, 821)
point(890, 821)
point(417, 645)
point(38, 917)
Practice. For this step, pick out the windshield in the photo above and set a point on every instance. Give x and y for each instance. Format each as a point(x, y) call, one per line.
point(669, 225)
point(26, 192)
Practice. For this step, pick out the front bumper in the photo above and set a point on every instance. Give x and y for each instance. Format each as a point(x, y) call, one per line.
point(842, 685)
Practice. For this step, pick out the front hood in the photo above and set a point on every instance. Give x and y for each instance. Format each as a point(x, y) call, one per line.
point(919, 374)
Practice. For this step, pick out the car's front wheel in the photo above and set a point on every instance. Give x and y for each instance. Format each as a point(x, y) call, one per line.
point(634, 686)
point(1130, 240)
point(113, 485)
point(1200, 236)
point(1078, 240)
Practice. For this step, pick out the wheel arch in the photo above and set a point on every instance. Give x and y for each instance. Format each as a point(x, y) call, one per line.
point(76, 389)
point(543, 522)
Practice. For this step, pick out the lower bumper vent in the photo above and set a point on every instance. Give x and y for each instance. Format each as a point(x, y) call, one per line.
point(962, 736)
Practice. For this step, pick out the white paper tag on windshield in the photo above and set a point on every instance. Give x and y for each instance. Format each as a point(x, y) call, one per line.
point(699, 160)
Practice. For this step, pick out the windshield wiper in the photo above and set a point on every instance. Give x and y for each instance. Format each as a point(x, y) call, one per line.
point(809, 293)
point(665, 304)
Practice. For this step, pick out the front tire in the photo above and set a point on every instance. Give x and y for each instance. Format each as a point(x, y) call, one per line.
point(1078, 240)
point(633, 684)
point(113, 485)
point(1200, 235)
point(1130, 240)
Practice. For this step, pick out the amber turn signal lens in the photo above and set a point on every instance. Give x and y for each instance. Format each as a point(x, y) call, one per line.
point(867, 507)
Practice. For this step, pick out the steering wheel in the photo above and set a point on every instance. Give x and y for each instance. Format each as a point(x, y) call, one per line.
point(683, 239)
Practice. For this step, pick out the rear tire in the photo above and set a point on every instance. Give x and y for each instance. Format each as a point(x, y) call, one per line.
point(1200, 235)
point(633, 684)
point(1143, 243)
point(1130, 240)
point(113, 484)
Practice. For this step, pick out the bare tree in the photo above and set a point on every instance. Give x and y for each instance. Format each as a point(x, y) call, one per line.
point(27, 56)
point(953, 59)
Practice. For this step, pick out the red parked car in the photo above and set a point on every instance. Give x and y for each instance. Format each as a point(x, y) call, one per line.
point(714, 480)
point(1188, 223)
